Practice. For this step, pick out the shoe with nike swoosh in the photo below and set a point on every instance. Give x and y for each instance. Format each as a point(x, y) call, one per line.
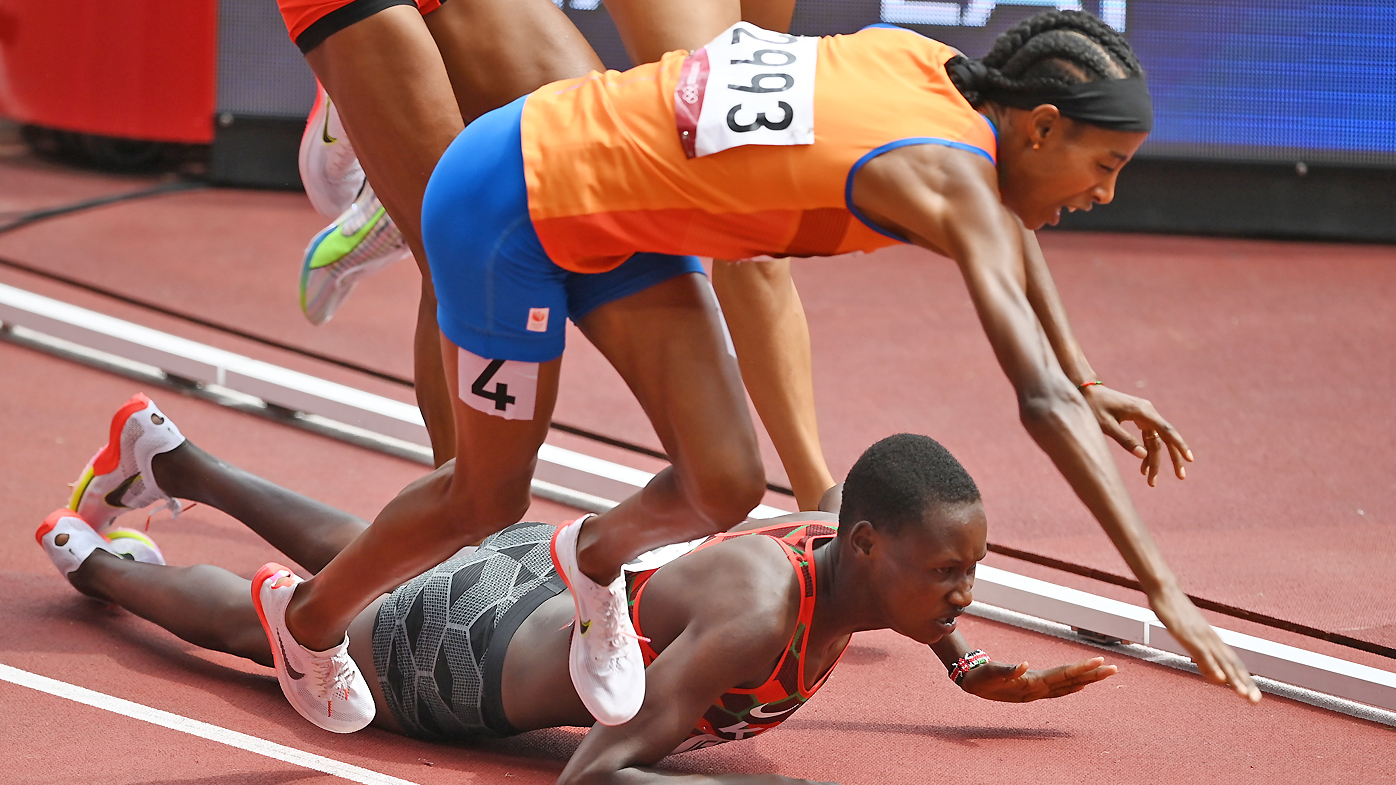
point(360, 242)
point(325, 687)
point(118, 479)
point(330, 169)
point(605, 661)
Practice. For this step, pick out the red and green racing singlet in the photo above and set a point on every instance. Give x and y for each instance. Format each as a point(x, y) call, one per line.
point(743, 713)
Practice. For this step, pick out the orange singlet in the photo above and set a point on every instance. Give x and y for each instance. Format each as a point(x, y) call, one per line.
point(607, 175)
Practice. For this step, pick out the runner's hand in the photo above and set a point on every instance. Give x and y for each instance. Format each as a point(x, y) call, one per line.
point(1000, 681)
point(1215, 660)
point(1113, 407)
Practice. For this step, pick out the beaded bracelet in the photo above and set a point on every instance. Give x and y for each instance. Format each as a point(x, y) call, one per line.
point(1082, 387)
point(966, 664)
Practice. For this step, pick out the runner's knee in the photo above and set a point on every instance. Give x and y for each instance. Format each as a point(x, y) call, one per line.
point(478, 511)
point(724, 491)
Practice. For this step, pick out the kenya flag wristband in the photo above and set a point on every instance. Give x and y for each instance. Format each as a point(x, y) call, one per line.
point(966, 664)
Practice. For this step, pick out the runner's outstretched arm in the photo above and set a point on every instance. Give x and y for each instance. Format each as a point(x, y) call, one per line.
point(1111, 407)
point(947, 200)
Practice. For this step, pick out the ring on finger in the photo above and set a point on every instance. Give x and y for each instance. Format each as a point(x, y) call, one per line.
point(1150, 436)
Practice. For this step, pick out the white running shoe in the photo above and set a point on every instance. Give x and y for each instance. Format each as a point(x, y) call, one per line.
point(325, 687)
point(330, 170)
point(605, 661)
point(362, 241)
point(118, 479)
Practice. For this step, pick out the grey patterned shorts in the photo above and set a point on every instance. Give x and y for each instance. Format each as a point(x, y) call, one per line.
point(439, 639)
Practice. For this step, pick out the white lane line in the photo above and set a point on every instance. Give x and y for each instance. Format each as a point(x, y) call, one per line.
point(193, 727)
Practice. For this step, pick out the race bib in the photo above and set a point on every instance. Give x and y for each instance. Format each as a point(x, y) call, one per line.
point(499, 388)
point(748, 86)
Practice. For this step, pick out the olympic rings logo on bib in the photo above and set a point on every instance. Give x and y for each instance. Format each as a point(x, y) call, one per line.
point(748, 86)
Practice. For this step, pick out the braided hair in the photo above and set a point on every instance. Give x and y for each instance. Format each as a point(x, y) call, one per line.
point(1045, 54)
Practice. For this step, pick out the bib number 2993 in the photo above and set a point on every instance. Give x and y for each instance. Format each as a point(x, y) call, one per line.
point(748, 86)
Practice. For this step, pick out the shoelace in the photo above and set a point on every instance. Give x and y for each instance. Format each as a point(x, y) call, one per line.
point(173, 505)
point(617, 637)
point(331, 677)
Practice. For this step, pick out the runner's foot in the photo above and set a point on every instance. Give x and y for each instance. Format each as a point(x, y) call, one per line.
point(69, 541)
point(362, 241)
point(325, 687)
point(605, 662)
point(330, 169)
point(118, 479)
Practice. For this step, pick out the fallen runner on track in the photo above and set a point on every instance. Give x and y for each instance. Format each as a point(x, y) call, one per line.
point(742, 628)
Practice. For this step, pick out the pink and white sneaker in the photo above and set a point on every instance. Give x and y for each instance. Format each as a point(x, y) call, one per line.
point(605, 661)
point(118, 479)
point(325, 687)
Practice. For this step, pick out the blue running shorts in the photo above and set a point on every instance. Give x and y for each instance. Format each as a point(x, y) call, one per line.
point(498, 294)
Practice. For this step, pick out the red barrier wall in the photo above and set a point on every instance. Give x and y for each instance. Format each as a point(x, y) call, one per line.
point(141, 69)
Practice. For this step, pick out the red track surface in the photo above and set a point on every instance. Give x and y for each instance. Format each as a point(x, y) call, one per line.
point(1268, 356)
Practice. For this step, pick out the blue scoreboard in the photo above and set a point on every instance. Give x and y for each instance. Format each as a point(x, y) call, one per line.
point(1272, 80)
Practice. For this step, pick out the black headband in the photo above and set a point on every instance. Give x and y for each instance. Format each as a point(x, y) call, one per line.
point(1116, 104)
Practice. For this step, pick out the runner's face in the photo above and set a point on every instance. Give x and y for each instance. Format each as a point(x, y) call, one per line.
point(927, 573)
point(1073, 167)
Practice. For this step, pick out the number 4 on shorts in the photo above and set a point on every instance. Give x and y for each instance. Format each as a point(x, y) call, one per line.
point(500, 388)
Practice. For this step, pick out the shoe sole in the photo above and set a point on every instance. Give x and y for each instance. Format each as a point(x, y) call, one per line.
point(263, 575)
point(108, 458)
point(306, 270)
